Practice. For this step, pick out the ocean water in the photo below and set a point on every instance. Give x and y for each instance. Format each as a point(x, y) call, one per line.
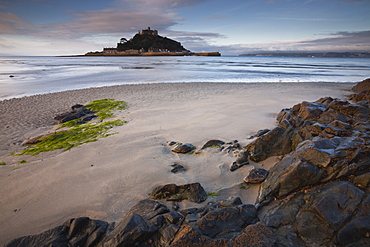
point(23, 76)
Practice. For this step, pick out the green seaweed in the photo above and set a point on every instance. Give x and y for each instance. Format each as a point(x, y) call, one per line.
point(104, 107)
point(73, 137)
point(2, 164)
point(213, 194)
point(80, 133)
point(23, 162)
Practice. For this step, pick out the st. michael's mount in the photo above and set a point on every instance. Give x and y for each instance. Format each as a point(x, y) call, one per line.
point(147, 42)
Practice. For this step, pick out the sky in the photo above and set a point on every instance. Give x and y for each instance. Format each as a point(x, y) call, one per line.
point(232, 27)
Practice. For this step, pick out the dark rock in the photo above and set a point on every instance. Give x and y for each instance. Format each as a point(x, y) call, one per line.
point(254, 235)
point(183, 148)
point(78, 112)
point(190, 236)
point(232, 201)
point(315, 216)
point(171, 192)
point(225, 221)
point(177, 168)
point(242, 159)
point(256, 175)
point(171, 143)
point(75, 232)
point(259, 133)
point(213, 144)
point(276, 142)
point(290, 174)
point(234, 167)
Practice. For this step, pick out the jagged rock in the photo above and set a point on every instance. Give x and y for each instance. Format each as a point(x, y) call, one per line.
point(171, 192)
point(253, 235)
point(148, 223)
point(313, 218)
point(183, 148)
point(290, 174)
point(213, 143)
point(256, 175)
point(275, 142)
point(222, 222)
point(75, 232)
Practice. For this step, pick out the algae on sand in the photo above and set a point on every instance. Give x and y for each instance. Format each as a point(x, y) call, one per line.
point(77, 135)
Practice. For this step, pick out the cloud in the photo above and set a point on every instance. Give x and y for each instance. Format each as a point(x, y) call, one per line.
point(12, 24)
point(340, 42)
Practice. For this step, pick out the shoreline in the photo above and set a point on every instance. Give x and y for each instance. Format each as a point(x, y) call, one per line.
point(103, 179)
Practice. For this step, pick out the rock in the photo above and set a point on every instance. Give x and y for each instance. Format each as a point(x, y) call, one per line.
point(234, 167)
point(183, 148)
point(253, 235)
point(275, 142)
point(176, 168)
point(213, 144)
point(288, 175)
point(256, 175)
point(225, 221)
point(314, 217)
point(78, 112)
point(171, 192)
point(362, 86)
point(259, 133)
point(75, 232)
point(232, 201)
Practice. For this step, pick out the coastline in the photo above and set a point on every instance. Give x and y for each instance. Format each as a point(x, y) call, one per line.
point(127, 165)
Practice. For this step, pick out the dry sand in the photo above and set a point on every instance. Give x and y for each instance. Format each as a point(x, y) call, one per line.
point(104, 179)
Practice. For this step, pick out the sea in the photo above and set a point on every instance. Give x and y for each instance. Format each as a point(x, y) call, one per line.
point(25, 76)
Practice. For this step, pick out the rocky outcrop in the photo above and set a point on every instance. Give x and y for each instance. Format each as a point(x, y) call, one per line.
point(150, 223)
point(362, 90)
point(328, 215)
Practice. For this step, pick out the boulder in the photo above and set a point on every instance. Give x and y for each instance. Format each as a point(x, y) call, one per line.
point(183, 148)
point(275, 142)
point(256, 175)
point(171, 192)
point(213, 144)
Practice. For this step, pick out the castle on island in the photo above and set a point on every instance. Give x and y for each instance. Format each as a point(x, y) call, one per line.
point(147, 42)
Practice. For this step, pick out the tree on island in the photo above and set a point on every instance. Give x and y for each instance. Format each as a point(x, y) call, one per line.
point(147, 43)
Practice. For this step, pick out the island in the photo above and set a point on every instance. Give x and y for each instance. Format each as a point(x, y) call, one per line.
point(147, 42)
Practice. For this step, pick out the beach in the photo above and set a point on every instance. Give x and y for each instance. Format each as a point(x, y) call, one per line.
point(103, 179)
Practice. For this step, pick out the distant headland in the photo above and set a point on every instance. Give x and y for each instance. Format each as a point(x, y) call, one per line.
point(309, 54)
point(147, 42)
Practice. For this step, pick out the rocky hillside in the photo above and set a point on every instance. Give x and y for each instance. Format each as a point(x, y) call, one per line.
point(316, 195)
point(151, 42)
